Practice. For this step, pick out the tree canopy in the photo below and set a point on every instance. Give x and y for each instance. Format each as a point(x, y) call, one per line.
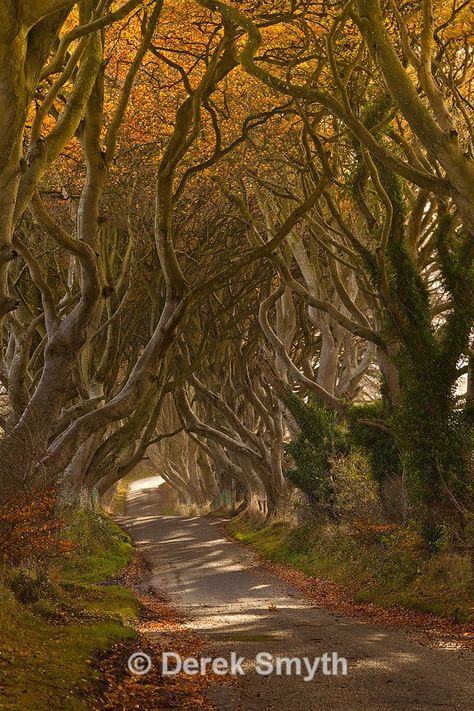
point(236, 241)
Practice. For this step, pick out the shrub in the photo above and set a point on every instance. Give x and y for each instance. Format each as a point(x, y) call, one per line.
point(29, 585)
point(30, 530)
point(356, 494)
point(320, 439)
point(300, 539)
point(342, 465)
point(378, 445)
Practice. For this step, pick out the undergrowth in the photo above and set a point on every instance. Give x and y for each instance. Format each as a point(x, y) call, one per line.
point(382, 564)
point(56, 615)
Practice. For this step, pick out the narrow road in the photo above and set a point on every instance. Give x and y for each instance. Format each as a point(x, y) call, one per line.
point(230, 601)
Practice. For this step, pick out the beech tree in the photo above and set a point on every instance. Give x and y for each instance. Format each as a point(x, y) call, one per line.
point(409, 138)
point(79, 416)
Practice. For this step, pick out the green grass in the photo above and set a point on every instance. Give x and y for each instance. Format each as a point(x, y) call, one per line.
point(388, 572)
point(46, 647)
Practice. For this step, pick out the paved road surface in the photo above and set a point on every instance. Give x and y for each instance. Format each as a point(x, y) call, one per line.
point(229, 600)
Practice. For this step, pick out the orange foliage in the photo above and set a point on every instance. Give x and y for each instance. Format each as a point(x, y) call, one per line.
point(385, 534)
point(30, 530)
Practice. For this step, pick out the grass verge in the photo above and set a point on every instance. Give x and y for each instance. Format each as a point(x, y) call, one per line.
point(384, 566)
point(47, 645)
